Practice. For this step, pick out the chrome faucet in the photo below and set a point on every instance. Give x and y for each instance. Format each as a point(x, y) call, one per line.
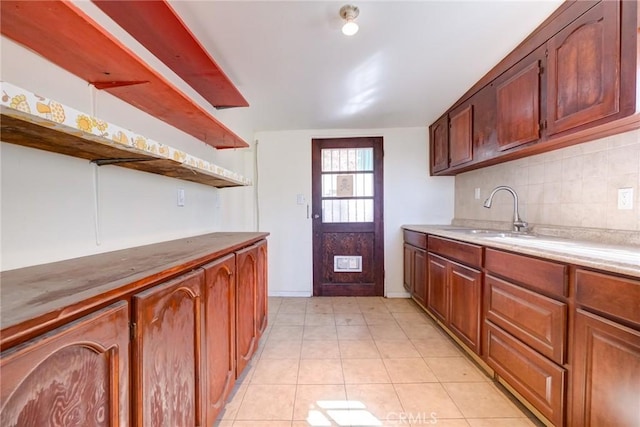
point(518, 223)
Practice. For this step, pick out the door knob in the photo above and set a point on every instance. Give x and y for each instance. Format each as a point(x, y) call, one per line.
point(316, 216)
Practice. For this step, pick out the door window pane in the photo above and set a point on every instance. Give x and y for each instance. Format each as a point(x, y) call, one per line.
point(347, 159)
point(347, 185)
point(347, 210)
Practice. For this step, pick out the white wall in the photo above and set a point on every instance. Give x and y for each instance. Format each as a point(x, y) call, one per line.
point(48, 200)
point(411, 197)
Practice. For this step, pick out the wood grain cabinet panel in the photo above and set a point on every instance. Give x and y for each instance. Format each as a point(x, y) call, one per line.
point(465, 253)
point(262, 300)
point(548, 277)
point(439, 133)
point(167, 353)
point(407, 273)
point(536, 320)
point(455, 297)
point(419, 280)
point(415, 266)
point(438, 299)
point(584, 69)
point(619, 297)
point(219, 341)
point(518, 108)
point(539, 380)
point(606, 373)
point(461, 136)
point(465, 304)
point(246, 331)
point(76, 375)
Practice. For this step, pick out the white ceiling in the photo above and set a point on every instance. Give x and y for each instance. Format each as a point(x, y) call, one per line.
point(409, 62)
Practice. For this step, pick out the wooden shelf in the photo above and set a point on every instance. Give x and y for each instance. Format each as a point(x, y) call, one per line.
point(158, 28)
point(33, 121)
point(66, 36)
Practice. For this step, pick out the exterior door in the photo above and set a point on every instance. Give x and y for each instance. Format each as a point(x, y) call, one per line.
point(348, 246)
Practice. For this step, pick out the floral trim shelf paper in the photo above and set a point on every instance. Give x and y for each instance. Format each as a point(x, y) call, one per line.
point(34, 121)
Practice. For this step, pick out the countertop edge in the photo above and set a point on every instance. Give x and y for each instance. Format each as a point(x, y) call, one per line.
point(55, 313)
point(444, 230)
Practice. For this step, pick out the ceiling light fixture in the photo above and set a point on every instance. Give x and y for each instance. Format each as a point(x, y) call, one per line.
point(349, 13)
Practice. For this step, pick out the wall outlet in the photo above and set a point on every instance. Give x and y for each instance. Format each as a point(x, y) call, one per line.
point(180, 197)
point(476, 194)
point(625, 198)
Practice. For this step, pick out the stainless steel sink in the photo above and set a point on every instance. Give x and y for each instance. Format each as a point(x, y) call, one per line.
point(487, 232)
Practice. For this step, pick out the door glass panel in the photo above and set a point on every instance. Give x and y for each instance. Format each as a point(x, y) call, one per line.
point(347, 185)
point(347, 159)
point(347, 210)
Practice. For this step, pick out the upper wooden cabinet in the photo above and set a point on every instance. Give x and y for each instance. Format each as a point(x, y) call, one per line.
point(461, 136)
point(565, 84)
point(439, 133)
point(518, 107)
point(584, 69)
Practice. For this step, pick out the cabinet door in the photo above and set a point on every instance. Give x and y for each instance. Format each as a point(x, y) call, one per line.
point(461, 136)
point(262, 308)
point(518, 105)
point(166, 353)
point(438, 301)
point(584, 69)
point(440, 145)
point(246, 332)
point(465, 293)
point(219, 334)
point(408, 268)
point(76, 375)
point(419, 282)
point(606, 373)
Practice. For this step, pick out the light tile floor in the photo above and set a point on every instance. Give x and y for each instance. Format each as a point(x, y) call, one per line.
point(363, 361)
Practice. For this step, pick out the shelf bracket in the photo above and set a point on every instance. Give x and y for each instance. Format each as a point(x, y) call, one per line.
point(103, 162)
point(109, 85)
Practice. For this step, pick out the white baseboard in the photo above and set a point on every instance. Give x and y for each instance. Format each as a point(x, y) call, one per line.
point(398, 295)
point(299, 294)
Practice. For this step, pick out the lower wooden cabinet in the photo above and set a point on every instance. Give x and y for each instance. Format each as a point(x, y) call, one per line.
point(539, 380)
point(606, 373)
point(415, 273)
point(167, 353)
point(219, 342)
point(247, 283)
point(76, 375)
point(606, 351)
point(455, 298)
point(262, 300)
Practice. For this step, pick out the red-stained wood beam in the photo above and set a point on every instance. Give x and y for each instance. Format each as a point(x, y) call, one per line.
point(158, 28)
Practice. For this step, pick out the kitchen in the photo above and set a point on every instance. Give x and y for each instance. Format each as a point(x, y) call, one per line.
point(560, 188)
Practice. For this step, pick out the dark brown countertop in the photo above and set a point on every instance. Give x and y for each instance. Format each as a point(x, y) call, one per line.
point(47, 295)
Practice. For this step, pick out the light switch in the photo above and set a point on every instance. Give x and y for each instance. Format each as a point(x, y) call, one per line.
point(300, 199)
point(476, 194)
point(181, 197)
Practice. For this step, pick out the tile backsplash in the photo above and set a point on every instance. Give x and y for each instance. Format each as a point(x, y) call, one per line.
point(575, 186)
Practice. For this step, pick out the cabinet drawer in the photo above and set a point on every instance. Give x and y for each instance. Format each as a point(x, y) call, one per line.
point(616, 296)
point(537, 379)
point(545, 276)
point(538, 321)
point(462, 252)
point(414, 238)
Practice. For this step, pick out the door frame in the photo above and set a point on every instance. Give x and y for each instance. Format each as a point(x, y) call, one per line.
point(376, 142)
